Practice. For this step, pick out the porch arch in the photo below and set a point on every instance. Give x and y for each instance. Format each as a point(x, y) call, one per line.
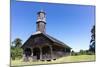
point(36, 52)
point(27, 52)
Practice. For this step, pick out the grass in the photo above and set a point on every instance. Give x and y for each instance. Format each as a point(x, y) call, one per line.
point(79, 58)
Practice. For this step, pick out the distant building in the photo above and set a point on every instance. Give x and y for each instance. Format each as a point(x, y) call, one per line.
point(41, 46)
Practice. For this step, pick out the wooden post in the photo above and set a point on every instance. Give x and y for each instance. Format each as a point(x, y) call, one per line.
point(70, 52)
point(25, 58)
point(51, 52)
point(65, 49)
point(40, 53)
point(23, 54)
point(32, 54)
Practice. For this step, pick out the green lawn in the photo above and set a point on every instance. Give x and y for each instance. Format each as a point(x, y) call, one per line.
point(67, 59)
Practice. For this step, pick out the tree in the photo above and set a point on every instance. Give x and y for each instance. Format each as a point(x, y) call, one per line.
point(92, 41)
point(82, 52)
point(17, 42)
point(16, 50)
point(13, 54)
point(74, 53)
point(16, 53)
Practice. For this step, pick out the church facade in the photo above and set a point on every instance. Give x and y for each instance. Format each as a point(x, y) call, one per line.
point(41, 46)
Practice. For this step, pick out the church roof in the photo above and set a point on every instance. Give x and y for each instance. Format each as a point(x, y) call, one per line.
point(56, 40)
point(51, 38)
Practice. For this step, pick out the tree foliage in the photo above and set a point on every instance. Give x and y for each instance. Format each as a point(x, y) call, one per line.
point(92, 41)
point(82, 52)
point(16, 50)
point(73, 53)
point(17, 42)
point(85, 52)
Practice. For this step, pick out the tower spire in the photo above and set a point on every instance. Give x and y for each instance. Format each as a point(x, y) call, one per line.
point(41, 21)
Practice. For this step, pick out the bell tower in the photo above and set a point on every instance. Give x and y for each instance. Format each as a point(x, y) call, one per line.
point(41, 21)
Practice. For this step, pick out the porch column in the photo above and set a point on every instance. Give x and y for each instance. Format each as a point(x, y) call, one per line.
point(51, 50)
point(70, 52)
point(65, 49)
point(25, 58)
point(40, 53)
point(32, 54)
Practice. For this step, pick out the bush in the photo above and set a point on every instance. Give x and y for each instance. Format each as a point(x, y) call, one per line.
point(74, 53)
point(90, 53)
point(83, 52)
point(13, 54)
point(16, 53)
point(86, 52)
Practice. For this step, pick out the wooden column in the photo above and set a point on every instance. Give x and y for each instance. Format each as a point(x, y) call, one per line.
point(40, 53)
point(70, 52)
point(65, 49)
point(51, 52)
point(25, 58)
point(32, 54)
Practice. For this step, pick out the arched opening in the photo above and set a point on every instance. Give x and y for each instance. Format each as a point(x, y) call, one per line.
point(46, 50)
point(28, 52)
point(36, 52)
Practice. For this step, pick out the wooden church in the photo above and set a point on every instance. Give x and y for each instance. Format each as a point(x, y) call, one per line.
point(41, 46)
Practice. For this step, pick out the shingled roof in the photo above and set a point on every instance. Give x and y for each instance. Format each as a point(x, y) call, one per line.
point(49, 37)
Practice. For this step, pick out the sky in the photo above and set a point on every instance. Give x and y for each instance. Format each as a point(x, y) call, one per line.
point(68, 23)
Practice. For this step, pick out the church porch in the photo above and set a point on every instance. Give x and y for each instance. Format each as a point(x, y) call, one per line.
point(38, 53)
